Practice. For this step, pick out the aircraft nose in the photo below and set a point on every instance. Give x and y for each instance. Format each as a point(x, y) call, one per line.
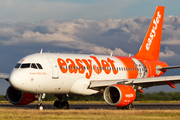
point(14, 79)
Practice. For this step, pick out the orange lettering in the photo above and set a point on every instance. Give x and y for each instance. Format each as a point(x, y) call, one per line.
point(81, 69)
point(112, 65)
point(83, 63)
point(106, 66)
point(61, 64)
point(89, 65)
point(98, 71)
point(72, 68)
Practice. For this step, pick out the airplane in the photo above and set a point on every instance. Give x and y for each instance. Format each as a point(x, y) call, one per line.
point(117, 78)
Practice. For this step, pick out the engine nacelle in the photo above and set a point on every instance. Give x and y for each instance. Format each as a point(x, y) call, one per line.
point(119, 95)
point(18, 97)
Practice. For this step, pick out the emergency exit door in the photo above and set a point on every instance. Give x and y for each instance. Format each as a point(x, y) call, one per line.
point(55, 72)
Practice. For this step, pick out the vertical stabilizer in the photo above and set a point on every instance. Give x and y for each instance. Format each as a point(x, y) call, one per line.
point(151, 46)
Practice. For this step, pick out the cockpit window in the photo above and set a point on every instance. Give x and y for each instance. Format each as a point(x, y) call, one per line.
point(33, 65)
point(17, 65)
point(29, 65)
point(26, 65)
point(39, 66)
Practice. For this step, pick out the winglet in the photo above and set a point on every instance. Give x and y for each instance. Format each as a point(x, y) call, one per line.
point(151, 46)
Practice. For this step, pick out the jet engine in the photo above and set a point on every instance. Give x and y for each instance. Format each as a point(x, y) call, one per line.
point(119, 95)
point(18, 97)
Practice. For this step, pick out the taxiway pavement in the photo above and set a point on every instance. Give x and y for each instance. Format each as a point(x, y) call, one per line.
point(98, 106)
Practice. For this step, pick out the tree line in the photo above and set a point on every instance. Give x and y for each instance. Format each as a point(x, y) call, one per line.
point(161, 96)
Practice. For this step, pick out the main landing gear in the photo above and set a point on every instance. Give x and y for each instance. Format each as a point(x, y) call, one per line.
point(59, 104)
point(39, 100)
point(127, 107)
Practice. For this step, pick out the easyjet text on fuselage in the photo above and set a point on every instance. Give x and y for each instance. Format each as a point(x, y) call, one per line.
point(102, 65)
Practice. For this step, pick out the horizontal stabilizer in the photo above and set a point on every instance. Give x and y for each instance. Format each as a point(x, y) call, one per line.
point(169, 67)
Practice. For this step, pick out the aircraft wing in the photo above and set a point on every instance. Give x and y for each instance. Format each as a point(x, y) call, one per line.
point(143, 82)
point(4, 76)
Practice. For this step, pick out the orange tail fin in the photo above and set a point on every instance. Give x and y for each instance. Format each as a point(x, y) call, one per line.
point(151, 46)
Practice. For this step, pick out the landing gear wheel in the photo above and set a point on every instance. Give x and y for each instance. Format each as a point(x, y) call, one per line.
point(127, 107)
point(56, 104)
point(39, 107)
point(61, 105)
point(65, 105)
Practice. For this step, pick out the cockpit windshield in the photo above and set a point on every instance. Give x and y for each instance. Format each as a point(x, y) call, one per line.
point(17, 65)
point(29, 65)
point(39, 66)
point(33, 65)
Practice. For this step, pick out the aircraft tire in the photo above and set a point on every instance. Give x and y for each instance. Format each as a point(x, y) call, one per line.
point(38, 107)
point(65, 105)
point(56, 105)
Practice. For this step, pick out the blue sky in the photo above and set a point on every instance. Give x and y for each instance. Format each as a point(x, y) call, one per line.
point(84, 26)
point(36, 10)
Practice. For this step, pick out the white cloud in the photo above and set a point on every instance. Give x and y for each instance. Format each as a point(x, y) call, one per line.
point(90, 36)
point(73, 34)
point(167, 53)
point(171, 41)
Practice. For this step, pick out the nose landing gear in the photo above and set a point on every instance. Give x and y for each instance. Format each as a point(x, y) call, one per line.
point(39, 100)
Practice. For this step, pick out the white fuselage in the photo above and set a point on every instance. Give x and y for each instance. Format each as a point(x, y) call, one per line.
point(63, 73)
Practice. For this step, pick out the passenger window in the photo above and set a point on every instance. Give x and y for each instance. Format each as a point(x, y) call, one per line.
point(33, 65)
point(27, 65)
point(39, 66)
point(17, 65)
point(65, 67)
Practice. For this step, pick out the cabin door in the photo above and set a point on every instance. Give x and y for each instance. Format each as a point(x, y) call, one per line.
point(55, 71)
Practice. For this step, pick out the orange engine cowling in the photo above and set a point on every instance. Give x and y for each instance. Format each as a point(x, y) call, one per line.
point(119, 95)
point(18, 97)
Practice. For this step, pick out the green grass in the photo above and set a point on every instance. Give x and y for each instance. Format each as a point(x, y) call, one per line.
point(91, 114)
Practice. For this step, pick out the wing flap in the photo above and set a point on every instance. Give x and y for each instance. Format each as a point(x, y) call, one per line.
point(105, 83)
point(143, 82)
point(153, 79)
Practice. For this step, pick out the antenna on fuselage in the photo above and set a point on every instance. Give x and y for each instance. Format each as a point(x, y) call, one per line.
point(111, 53)
point(41, 50)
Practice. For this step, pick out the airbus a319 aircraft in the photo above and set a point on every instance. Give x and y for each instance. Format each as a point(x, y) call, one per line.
point(117, 78)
